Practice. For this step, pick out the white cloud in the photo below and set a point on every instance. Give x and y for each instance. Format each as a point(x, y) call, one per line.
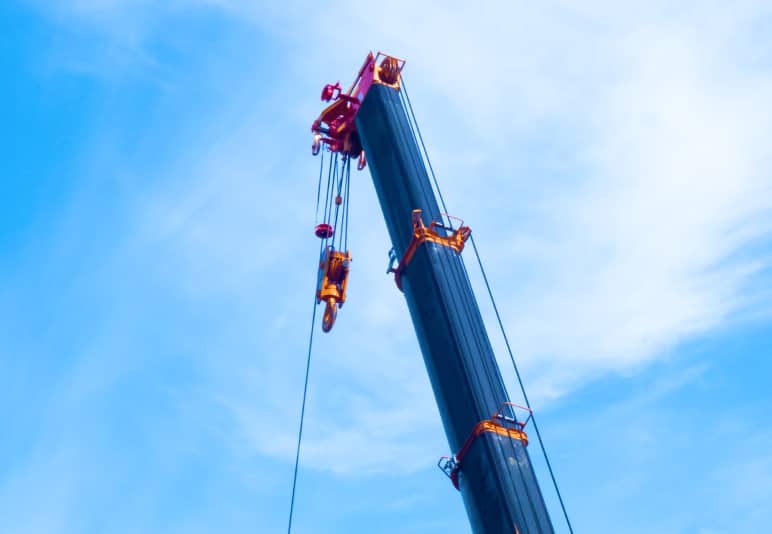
point(624, 229)
point(650, 250)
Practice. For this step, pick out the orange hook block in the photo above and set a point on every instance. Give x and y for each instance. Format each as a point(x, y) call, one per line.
point(333, 280)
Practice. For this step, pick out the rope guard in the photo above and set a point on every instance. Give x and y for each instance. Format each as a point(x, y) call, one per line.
point(507, 426)
point(422, 234)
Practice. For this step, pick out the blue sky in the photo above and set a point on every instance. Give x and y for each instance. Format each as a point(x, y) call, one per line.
point(157, 262)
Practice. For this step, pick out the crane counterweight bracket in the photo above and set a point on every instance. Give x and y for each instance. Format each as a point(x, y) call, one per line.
point(422, 234)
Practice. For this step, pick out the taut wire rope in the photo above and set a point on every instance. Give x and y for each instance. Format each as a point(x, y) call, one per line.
point(495, 309)
point(302, 412)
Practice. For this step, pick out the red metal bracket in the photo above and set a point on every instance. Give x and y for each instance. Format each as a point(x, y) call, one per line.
point(331, 91)
point(335, 126)
point(422, 234)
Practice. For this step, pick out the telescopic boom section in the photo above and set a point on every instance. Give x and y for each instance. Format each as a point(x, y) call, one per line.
point(491, 466)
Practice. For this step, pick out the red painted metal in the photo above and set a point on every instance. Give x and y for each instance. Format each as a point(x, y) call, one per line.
point(364, 78)
point(335, 126)
point(328, 92)
point(324, 230)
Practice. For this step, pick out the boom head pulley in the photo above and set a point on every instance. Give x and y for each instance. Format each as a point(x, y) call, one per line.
point(335, 126)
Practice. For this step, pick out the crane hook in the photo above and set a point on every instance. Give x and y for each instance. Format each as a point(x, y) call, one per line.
point(330, 313)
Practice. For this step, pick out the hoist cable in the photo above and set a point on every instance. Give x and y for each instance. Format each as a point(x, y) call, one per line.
point(319, 188)
point(423, 146)
point(333, 180)
point(344, 203)
point(348, 189)
point(303, 410)
point(339, 183)
point(327, 189)
point(522, 387)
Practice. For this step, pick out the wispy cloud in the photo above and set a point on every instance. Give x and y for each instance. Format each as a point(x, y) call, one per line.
point(666, 442)
point(631, 226)
point(652, 247)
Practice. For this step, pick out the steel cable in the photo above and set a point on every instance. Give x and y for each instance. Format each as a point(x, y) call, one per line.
point(319, 187)
point(303, 410)
point(495, 308)
point(522, 387)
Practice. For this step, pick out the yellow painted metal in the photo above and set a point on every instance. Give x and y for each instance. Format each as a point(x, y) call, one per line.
point(490, 426)
point(423, 234)
point(389, 71)
point(332, 286)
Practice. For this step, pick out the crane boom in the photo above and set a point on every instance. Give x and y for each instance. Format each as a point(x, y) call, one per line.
point(491, 466)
